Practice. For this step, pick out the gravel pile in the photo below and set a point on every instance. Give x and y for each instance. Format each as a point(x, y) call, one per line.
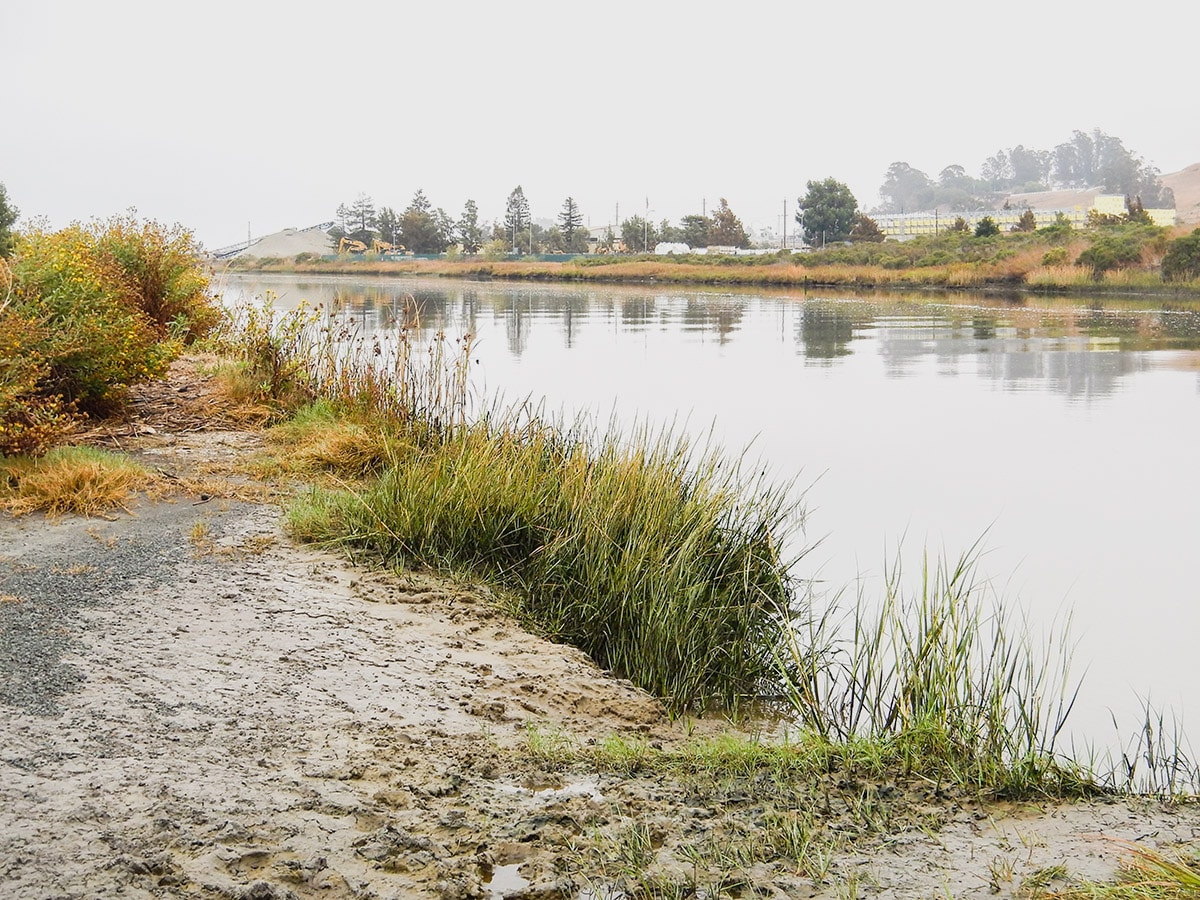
point(290, 243)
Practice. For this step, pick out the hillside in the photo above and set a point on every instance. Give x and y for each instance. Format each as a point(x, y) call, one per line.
point(1186, 185)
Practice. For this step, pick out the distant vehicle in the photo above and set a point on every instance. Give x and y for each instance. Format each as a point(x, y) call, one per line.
point(349, 246)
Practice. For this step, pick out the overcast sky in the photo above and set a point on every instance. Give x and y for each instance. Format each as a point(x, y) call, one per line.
point(222, 114)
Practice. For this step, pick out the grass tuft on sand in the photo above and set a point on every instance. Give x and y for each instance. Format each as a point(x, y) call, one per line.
point(81, 480)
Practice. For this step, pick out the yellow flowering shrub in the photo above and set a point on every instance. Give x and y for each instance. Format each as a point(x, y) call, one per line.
point(161, 262)
point(87, 311)
point(31, 420)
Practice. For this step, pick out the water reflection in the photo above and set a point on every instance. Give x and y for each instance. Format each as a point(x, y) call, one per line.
point(1078, 349)
point(824, 331)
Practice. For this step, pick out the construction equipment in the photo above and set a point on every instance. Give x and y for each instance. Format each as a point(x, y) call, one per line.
point(348, 245)
point(378, 246)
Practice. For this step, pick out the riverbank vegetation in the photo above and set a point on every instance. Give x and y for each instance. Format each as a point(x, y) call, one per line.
point(666, 563)
point(1119, 256)
point(671, 563)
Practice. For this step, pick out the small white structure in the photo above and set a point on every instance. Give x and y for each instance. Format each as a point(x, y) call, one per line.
point(668, 248)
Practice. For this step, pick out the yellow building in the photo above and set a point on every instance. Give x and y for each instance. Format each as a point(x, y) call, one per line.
point(902, 226)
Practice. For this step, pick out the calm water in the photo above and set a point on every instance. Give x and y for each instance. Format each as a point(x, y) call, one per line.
point(1062, 433)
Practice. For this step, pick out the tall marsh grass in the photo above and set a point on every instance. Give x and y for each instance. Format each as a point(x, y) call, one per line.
point(660, 560)
point(294, 357)
point(940, 672)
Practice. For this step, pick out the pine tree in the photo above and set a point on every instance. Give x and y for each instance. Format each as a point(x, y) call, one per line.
point(516, 212)
point(570, 219)
point(469, 234)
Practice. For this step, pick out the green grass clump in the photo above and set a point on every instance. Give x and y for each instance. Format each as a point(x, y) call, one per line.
point(942, 682)
point(662, 563)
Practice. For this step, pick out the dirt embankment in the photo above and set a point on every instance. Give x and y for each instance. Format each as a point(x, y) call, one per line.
point(192, 706)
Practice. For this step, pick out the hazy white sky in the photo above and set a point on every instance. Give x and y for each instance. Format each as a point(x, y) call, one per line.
point(220, 114)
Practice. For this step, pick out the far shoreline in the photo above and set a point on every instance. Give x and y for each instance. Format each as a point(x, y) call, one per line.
point(781, 273)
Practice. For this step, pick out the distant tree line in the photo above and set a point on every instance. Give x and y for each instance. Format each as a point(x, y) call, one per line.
point(828, 212)
point(420, 228)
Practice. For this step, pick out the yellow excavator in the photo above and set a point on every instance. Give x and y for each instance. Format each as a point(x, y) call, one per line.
point(350, 246)
point(378, 246)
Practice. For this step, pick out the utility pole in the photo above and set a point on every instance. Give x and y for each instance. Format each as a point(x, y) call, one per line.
point(783, 245)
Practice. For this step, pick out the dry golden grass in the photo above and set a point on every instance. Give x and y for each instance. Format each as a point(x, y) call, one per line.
point(237, 397)
point(78, 480)
point(313, 443)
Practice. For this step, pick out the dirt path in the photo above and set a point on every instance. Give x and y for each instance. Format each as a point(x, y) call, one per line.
point(192, 706)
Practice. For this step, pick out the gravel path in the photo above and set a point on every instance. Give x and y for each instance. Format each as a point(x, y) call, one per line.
point(52, 577)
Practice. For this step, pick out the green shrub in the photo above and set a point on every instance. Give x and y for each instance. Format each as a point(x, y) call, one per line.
point(986, 227)
point(1056, 257)
point(162, 262)
point(31, 420)
point(97, 338)
point(1113, 248)
point(1182, 261)
point(936, 258)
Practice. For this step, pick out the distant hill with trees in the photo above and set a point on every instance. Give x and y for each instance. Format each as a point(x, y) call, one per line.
point(1089, 160)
